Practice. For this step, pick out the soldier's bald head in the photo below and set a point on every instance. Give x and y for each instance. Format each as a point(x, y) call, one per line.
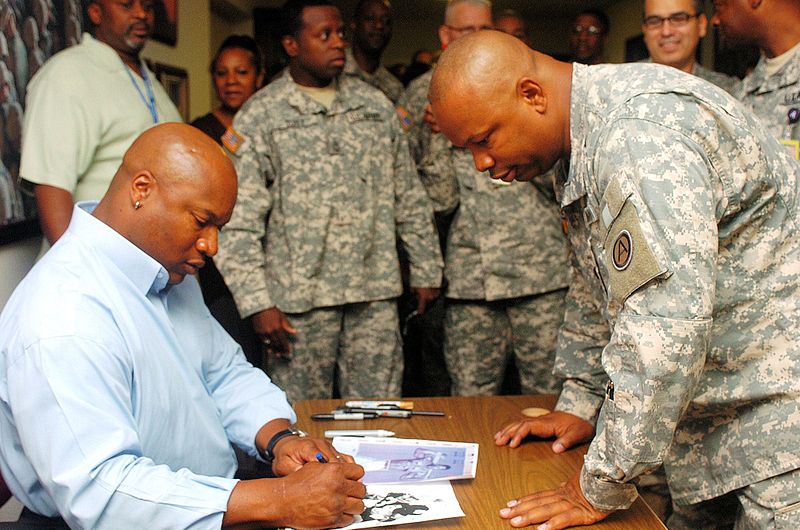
point(480, 64)
point(493, 95)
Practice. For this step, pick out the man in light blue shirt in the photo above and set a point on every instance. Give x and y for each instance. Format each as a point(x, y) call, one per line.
point(120, 396)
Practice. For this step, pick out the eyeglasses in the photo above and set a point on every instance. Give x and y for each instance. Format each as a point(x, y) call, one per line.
point(676, 20)
point(591, 30)
point(467, 29)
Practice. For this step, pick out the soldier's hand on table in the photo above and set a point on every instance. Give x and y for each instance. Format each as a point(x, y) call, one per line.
point(273, 329)
point(568, 429)
point(292, 453)
point(425, 296)
point(557, 509)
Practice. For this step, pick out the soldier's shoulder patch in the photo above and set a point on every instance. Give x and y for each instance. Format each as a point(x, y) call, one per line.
point(232, 140)
point(630, 259)
point(405, 118)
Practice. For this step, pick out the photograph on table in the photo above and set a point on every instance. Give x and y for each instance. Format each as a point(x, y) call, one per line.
point(397, 460)
point(389, 505)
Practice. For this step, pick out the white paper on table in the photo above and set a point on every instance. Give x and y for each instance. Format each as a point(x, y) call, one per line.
point(406, 460)
point(394, 504)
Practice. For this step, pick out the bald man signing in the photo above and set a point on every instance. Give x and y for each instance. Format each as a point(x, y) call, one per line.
point(120, 395)
point(681, 339)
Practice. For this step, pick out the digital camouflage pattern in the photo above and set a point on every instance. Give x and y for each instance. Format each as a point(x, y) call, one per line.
point(505, 243)
point(382, 79)
point(773, 99)
point(480, 337)
point(682, 216)
point(771, 503)
point(727, 83)
point(362, 340)
point(321, 195)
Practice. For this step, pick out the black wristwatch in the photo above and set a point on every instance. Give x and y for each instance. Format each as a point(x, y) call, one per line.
point(291, 431)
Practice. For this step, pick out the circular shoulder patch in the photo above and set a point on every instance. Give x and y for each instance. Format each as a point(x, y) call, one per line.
point(622, 253)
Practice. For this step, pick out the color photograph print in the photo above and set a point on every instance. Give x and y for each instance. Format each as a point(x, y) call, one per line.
point(398, 460)
point(30, 32)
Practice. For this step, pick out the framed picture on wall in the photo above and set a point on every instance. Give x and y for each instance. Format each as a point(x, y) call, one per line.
point(165, 28)
point(176, 82)
point(34, 31)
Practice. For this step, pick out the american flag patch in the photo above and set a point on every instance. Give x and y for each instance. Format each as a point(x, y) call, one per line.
point(405, 118)
point(231, 140)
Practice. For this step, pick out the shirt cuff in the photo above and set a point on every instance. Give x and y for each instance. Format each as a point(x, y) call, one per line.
point(254, 302)
point(431, 278)
point(605, 495)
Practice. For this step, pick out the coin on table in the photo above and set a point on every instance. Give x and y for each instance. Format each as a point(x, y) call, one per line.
point(533, 412)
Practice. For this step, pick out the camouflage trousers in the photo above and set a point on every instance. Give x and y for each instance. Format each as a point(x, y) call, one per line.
point(361, 341)
point(771, 504)
point(480, 336)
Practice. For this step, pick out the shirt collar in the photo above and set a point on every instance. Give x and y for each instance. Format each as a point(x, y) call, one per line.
point(574, 187)
point(758, 82)
point(142, 270)
point(104, 54)
point(345, 101)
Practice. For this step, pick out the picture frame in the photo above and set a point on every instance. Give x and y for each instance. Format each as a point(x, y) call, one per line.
point(18, 214)
point(165, 27)
point(176, 83)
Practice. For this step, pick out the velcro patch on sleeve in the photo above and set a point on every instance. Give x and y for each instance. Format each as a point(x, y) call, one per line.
point(630, 261)
point(232, 140)
point(405, 118)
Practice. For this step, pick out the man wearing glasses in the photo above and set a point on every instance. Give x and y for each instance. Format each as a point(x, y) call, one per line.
point(672, 31)
point(772, 90)
point(588, 36)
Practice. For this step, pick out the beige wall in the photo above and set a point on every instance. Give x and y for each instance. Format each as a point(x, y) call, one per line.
point(191, 53)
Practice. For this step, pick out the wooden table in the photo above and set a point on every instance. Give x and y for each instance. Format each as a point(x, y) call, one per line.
point(503, 473)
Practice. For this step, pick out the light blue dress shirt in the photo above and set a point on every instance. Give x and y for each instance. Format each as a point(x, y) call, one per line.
point(120, 397)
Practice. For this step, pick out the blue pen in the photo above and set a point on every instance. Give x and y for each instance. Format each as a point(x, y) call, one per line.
point(321, 458)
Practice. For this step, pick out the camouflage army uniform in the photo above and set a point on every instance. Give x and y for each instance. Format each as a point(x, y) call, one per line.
point(321, 195)
point(505, 263)
point(681, 332)
point(776, 100)
point(727, 83)
point(382, 79)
